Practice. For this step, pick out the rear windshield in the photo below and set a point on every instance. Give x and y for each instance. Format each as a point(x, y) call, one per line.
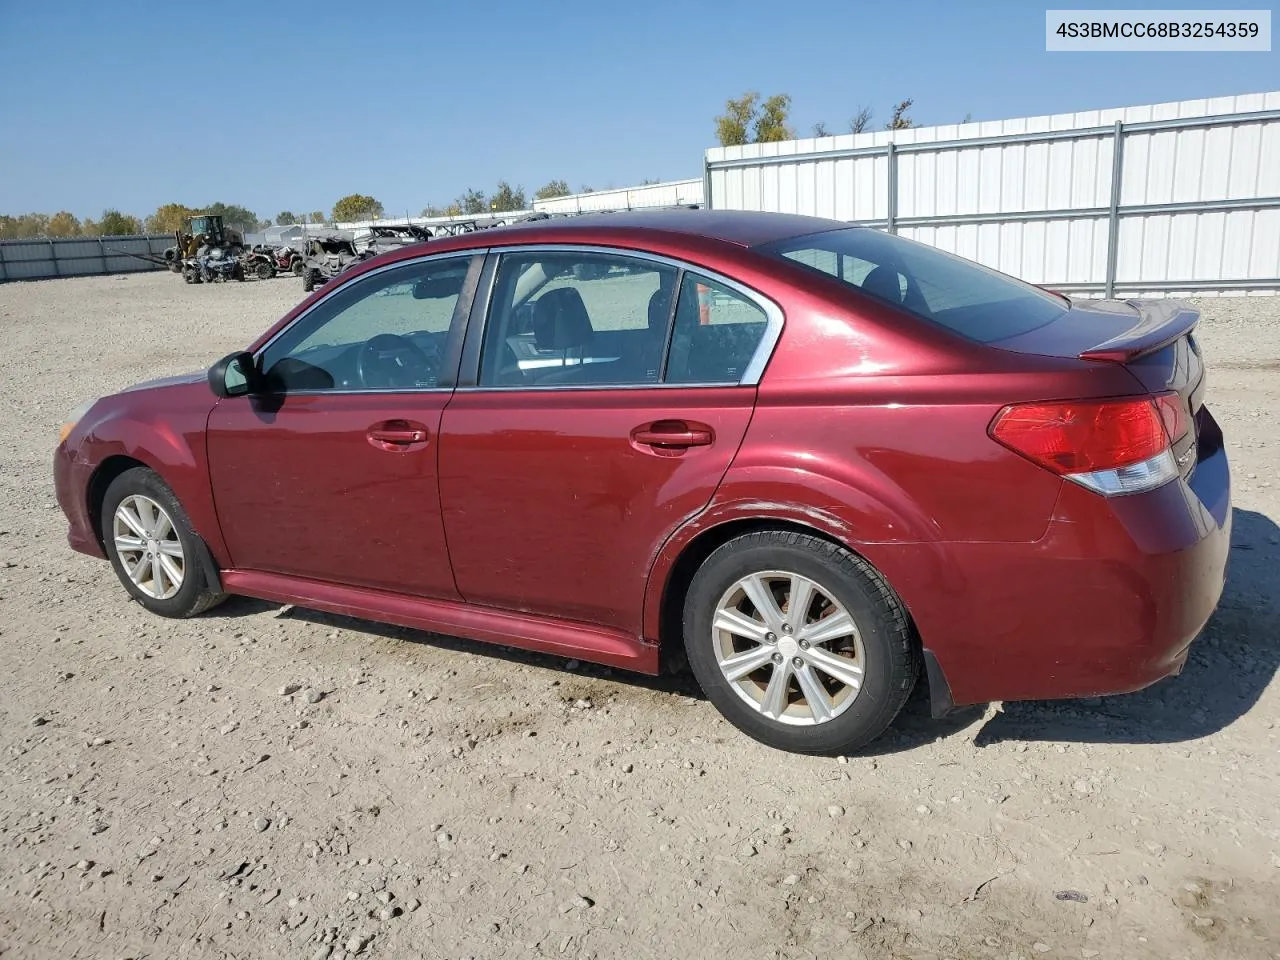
point(971, 300)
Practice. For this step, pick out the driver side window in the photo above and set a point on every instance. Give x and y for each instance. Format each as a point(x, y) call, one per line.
point(385, 332)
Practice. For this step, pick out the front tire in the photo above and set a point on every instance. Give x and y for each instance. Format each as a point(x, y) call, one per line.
point(799, 642)
point(152, 547)
point(309, 280)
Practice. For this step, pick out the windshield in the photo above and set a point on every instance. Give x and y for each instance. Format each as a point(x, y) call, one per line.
point(967, 298)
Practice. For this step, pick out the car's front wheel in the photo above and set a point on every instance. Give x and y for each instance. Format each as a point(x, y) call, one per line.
point(152, 548)
point(799, 642)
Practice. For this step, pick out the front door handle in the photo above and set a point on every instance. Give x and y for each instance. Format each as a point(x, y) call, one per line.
point(673, 435)
point(397, 435)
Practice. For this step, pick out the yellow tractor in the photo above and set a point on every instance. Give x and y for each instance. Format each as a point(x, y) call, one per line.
point(203, 234)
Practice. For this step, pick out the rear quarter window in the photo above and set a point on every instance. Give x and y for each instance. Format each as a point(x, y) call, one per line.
point(969, 299)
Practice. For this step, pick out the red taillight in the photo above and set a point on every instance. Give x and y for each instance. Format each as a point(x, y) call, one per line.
point(1084, 436)
point(1173, 411)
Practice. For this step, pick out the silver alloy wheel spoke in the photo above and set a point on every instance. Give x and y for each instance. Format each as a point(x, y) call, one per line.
point(839, 624)
point(796, 668)
point(130, 544)
point(170, 569)
point(757, 590)
point(739, 624)
point(815, 697)
point(798, 602)
point(836, 667)
point(171, 548)
point(739, 665)
point(775, 695)
point(131, 520)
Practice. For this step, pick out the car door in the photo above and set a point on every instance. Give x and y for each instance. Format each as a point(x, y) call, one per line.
point(583, 433)
point(330, 472)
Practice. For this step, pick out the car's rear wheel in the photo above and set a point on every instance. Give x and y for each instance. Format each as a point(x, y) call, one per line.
point(152, 548)
point(799, 642)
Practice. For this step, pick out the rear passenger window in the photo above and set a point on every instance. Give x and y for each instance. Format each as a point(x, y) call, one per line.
point(576, 319)
point(717, 331)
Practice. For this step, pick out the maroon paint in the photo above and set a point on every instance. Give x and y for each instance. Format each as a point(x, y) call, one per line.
point(563, 524)
point(582, 503)
point(315, 489)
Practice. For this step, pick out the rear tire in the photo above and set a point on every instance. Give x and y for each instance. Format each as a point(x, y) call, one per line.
point(264, 271)
point(152, 547)
point(309, 280)
point(825, 679)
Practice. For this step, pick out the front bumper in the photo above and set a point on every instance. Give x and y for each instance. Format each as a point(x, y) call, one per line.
point(71, 480)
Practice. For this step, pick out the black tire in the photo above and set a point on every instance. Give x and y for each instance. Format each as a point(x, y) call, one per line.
point(309, 280)
point(892, 659)
point(194, 595)
point(264, 271)
point(298, 268)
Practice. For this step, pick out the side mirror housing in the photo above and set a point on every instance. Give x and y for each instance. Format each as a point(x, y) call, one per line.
point(234, 375)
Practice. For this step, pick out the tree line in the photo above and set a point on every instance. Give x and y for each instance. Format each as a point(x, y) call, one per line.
point(749, 119)
point(171, 217)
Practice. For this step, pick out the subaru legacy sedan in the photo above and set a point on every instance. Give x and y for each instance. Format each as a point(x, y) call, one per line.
point(815, 461)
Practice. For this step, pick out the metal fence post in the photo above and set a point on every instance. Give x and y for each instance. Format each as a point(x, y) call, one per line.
point(892, 157)
point(4, 274)
point(102, 253)
point(1113, 223)
point(706, 183)
point(53, 257)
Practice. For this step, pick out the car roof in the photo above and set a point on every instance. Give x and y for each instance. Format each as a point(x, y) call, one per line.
point(746, 228)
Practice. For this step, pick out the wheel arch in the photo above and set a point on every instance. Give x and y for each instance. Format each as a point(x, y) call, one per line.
point(96, 492)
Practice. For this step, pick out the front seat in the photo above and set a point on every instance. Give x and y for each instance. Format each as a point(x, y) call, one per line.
point(561, 322)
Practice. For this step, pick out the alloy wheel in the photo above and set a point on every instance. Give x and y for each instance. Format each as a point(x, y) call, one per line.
point(148, 546)
point(788, 648)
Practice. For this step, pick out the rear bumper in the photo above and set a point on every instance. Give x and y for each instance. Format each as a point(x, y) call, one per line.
point(71, 485)
point(1107, 602)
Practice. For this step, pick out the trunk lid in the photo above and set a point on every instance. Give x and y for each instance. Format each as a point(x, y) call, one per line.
point(1151, 339)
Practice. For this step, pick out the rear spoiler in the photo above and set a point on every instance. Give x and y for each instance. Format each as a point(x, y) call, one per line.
point(1160, 323)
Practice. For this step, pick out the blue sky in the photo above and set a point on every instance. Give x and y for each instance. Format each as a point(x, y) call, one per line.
point(291, 105)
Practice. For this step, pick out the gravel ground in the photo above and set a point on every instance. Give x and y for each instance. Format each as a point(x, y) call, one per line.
point(268, 782)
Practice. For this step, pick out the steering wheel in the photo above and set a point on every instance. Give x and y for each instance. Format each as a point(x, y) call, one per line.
point(389, 360)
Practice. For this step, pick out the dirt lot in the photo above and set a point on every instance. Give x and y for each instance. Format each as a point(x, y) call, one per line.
point(160, 797)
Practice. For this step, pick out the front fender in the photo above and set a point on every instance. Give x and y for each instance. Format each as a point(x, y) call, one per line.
point(163, 429)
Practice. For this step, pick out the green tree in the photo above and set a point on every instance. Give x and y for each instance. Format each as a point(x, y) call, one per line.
point(356, 206)
point(555, 188)
point(859, 122)
point(507, 198)
point(453, 210)
point(317, 216)
point(117, 224)
point(771, 125)
point(286, 218)
point(820, 130)
point(586, 189)
point(27, 226)
point(169, 217)
point(241, 218)
point(900, 120)
point(8, 227)
point(733, 127)
point(472, 201)
point(64, 224)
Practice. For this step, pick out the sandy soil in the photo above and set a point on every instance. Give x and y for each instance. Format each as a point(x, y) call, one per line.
point(161, 795)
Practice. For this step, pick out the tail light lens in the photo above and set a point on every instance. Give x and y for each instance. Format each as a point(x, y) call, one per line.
point(1110, 446)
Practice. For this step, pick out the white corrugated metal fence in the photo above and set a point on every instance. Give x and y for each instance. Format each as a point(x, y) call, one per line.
point(1190, 201)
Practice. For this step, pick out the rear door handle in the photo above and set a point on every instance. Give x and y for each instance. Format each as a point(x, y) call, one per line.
point(673, 434)
point(397, 435)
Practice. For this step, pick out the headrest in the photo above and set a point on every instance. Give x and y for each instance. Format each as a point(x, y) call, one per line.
point(883, 282)
point(560, 320)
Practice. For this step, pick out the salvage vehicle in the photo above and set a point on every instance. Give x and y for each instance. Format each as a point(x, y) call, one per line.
point(382, 237)
point(326, 256)
point(265, 261)
point(817, 460)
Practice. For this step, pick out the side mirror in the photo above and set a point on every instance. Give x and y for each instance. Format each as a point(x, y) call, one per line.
point(234, 375)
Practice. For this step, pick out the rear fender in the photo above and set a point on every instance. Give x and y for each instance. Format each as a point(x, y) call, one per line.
point(895, 538)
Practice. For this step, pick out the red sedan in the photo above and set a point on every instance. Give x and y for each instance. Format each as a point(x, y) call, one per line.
point(817, 459)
